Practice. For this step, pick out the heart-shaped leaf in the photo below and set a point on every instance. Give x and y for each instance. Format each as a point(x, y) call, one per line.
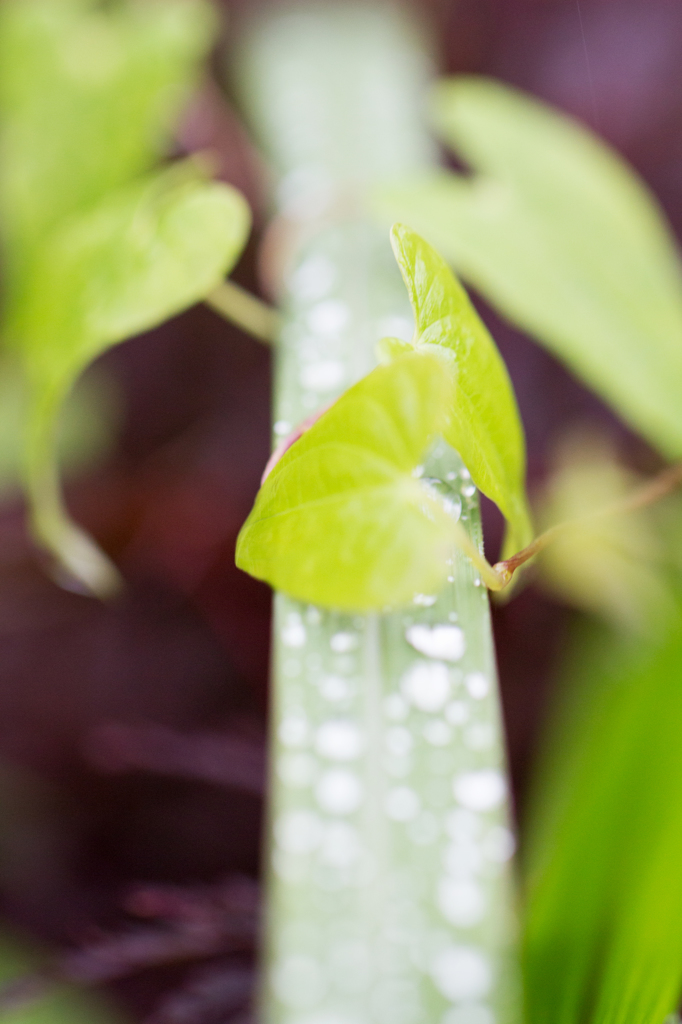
point(484, 424)
point(142, 256)
point(342, 520)
point(565, 240)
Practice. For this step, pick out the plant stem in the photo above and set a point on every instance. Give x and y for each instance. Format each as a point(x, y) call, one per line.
point(245, 310)
point(388, 840)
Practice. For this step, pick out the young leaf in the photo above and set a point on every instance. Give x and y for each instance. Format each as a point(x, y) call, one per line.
point(603, 928)
point(565, 240)
point(484, 424)
point(150, 251)
point(342, 520)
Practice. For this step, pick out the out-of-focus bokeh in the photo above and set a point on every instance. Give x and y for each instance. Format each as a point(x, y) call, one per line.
point(132, 734)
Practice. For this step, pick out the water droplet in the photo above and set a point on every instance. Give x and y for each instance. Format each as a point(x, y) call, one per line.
point(322, 376)
point(469, 1013)
point(313, 279)
point(338, 740)
point(464, 473)
point(425, 829)
point(342, 643)
point(418, 472)
point(480, 736)
point(457, 713)
point(339, 792)
point(424, 600)
point(480, 790)
point(446, 643)
point(313, 616)
point(334, 688)
point(468, 491)
point(477, 685)
point(395, 707)
point(298, 831)
point(461, 901)
point(293, 634)
point(499, 844)
point(402, 804)
point(437, 733)
point(427, 685)
point(282, 428)
point(461, 973)
point(296, 769)
point(462, 858)
point(460, 823)
point(399, 741)
point(328, 317)
point(341, 844)
point(451, 476)
point(298, 981)
point(293, 731)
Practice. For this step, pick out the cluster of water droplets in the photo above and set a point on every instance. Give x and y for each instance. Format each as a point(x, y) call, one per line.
point(389, 814)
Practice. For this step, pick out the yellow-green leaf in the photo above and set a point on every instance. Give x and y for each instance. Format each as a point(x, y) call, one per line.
point(484, 424)
point(342, 520)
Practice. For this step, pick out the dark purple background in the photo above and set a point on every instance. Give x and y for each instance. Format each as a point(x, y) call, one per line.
point(187, 646)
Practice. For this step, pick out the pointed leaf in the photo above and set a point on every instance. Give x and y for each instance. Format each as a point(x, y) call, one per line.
point(565, 240)
point(484, 424)
point(342, 521)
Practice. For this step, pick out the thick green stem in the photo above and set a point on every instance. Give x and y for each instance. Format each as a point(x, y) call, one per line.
point(389, 896)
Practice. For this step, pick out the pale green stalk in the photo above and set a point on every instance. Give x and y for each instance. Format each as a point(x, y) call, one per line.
point(388, 837)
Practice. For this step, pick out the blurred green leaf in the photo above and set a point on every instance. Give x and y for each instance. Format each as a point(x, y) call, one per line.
point(86, 428)
point(60, 1005)
point(342, 520)
point(557, 232)
point(140, 256)
point(88, 97)
point(603, 929)
point(484, 424)
point(613, 565)
point(96, 247)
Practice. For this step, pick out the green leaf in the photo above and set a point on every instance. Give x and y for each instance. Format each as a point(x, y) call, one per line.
point(145, 254)
point(484, 424)
point(342, 520)
point(88, 100)
point(557, 232)
point(603, 922)
point(142, 255)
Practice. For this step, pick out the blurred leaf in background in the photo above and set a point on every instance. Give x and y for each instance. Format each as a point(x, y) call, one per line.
point(96, 246)
point(59, 1005)
point(603, 923)
point(562, 237)
point(615, 565)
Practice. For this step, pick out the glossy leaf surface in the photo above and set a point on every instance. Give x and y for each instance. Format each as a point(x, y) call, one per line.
point(484, 424)
point(557, 232)
point(342, 520)
point(603, 934)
